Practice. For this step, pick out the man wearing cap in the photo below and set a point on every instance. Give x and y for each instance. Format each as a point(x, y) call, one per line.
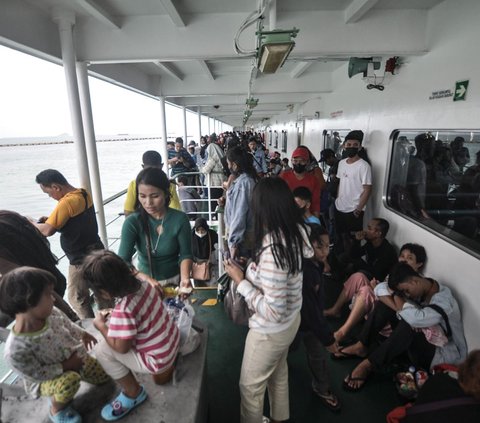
point(150, 158)
point(299, 177)
point(354, 189)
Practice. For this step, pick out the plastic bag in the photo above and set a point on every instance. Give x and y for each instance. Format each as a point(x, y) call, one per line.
point(183, 314)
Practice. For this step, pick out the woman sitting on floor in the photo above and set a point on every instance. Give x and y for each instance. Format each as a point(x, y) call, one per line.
point(427, 301)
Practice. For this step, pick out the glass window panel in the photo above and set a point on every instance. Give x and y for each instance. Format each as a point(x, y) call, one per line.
point(434, 179)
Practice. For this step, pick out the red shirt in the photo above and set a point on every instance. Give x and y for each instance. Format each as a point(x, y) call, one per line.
point(309, 181)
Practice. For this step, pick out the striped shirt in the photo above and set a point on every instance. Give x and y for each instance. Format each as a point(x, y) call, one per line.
point(271, 292)
point(143, 318)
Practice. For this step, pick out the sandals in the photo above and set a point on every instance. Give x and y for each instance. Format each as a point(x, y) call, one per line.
point(344, 355)
point(122, 405)
point(67, 415)
point(350, 378)
point(329, 400)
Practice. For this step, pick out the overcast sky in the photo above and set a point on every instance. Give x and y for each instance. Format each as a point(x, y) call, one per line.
point(33, 102)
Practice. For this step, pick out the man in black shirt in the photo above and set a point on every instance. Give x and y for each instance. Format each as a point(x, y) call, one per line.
point(373, 260)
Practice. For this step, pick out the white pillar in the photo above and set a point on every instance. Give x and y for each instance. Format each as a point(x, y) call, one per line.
point(66, 21)
point(272, 15)
point(91, 145)
point(185, 134)
point(163, 133)
point(199, 123)
point(209, 131)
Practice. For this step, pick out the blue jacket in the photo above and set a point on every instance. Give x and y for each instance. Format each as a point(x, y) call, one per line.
point(238, 214)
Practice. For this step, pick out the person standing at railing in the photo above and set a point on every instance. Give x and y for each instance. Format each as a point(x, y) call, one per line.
point(238, 205)
point(74, 217)
point(213, 168)
point(150, 158)
point(159, 234)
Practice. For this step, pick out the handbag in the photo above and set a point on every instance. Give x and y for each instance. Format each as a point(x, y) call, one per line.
point(236, 307)
point(201, 269)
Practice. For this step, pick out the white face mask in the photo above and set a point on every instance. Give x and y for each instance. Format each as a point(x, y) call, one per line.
point(200, 235)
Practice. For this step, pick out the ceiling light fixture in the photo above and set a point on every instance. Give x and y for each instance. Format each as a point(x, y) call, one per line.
point(274, 48)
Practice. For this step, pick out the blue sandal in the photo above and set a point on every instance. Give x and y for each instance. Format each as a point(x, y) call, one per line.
point(67, 415)
point(122, 405)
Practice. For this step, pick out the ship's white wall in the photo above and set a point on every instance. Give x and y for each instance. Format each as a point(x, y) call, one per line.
point(453, 36)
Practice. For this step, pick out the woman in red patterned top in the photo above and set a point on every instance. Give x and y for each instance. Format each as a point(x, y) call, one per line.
point(139, 335)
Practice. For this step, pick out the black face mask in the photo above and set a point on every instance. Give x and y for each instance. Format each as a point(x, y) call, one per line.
point(299, 168)
point(351, 151)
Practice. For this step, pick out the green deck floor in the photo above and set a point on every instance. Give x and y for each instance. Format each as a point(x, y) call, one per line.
point(224, 356)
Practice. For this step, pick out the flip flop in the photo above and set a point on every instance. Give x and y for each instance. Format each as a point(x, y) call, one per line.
point(122, 405)
point(328, 399)
point(344, 355)
point(349, 388)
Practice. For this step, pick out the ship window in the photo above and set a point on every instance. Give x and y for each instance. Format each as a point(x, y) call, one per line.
point(434, 180)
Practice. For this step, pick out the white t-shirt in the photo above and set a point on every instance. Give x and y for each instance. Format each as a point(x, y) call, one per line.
point(352, 179)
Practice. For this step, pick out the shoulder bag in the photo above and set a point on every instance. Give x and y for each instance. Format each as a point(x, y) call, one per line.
point(201, 269)
point(236, 307)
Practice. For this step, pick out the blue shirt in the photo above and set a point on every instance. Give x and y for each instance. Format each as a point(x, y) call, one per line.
point(259, 161)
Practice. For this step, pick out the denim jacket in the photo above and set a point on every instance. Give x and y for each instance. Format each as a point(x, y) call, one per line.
point(238, 214)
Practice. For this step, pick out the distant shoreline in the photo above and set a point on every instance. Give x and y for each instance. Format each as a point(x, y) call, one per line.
point(71, 141)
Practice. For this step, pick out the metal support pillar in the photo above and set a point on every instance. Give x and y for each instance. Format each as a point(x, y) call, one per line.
point(91, 145)
point(163, 133)
point(199, 122)
point(66, 21)
point(185, 133)
point(209, 131)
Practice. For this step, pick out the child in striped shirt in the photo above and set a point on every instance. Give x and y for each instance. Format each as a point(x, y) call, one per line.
point(139, 335)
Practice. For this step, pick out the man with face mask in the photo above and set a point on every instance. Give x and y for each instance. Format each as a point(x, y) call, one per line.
point(354, 189)
point(299, 177)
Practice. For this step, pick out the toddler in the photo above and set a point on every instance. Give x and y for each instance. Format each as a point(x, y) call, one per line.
point(44, 346)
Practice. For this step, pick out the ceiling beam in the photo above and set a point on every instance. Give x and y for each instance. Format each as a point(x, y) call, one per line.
point(300, 69)
point(357, 9)
point(99, 13)
point(173, 13)
point(170, 69)
point(206, 70)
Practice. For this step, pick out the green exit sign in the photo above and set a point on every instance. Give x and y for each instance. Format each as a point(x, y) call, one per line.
point(460, 90)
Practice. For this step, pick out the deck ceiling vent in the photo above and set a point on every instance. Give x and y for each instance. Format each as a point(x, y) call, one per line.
point(274, 48)
point(365, 65)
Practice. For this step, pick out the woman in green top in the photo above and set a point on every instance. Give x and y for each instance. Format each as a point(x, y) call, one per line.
point(160, 235)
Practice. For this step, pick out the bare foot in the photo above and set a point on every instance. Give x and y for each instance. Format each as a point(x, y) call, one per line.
point(357, 378)
point(339, 335)
point(357, 349)
point(331, 312)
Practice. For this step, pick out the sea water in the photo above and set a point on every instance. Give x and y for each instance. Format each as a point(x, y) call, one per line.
point(119, 162)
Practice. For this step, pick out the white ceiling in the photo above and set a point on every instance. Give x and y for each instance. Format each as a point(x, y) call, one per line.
point(184, 49)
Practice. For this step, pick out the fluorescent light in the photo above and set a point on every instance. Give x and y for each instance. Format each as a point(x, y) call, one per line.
point(275, 46)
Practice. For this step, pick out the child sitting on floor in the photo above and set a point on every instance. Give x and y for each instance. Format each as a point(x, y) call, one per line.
point(303, 198)
point(139, 335)
point(44, 346)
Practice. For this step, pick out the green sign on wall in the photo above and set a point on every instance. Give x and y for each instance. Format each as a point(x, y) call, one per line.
point(460, 90)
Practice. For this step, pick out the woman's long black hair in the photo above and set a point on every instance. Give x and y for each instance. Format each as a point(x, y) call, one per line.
point(23, 244)
point(243, 159)
point(276, 213)
point(157, 178)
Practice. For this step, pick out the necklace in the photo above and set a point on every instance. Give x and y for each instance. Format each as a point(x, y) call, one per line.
point(159, 231)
